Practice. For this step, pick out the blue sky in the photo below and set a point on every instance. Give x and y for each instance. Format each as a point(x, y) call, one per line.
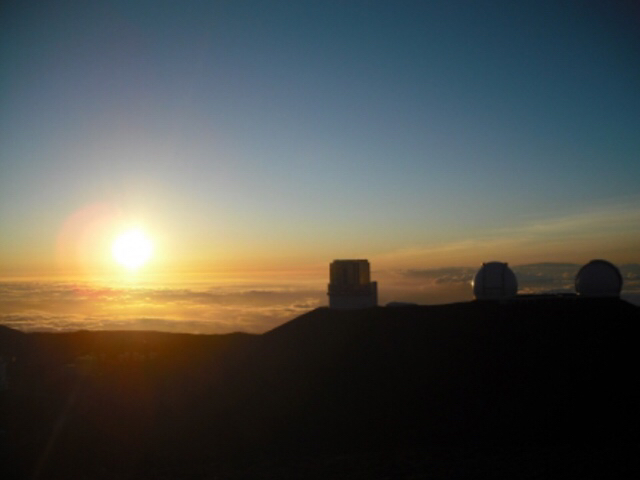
point(286, 134)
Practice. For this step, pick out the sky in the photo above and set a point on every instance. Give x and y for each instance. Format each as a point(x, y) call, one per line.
point(256, 141)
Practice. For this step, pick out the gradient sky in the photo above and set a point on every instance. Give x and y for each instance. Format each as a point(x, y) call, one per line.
point(269, 135)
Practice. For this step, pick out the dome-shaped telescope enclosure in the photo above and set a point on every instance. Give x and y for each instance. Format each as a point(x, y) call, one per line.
point(494, 281)
point(599, 278)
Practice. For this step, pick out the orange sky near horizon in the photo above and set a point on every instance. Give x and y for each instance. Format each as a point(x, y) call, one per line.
point(80, 248)
point(251, 140)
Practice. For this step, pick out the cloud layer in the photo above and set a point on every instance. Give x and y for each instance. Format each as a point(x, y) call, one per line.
point(51, 306)
point(453, 284)
point(58, 306)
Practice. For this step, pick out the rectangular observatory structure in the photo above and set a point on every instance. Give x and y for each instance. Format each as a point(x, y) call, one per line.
point(350, 285)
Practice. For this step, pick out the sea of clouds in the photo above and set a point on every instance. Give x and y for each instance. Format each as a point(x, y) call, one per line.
point(60, 306)
point(64, 306)
point(452, 284)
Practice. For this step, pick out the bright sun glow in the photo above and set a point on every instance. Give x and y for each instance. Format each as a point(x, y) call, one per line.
point(132, 249)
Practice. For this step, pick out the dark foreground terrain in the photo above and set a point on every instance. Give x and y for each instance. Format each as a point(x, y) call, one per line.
point(545, 388)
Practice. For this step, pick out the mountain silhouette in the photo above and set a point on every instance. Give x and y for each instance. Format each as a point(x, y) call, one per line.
point(344, 390)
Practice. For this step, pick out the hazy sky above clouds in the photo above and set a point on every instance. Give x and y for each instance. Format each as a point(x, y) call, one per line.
point(279, 135)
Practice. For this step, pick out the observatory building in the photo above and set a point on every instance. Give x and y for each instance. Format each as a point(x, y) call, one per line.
point(599, 278)
point(350, 285)
point(495, 281)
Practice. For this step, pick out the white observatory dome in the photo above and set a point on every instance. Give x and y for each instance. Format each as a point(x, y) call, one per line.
point(494, 281)
point(599, 278)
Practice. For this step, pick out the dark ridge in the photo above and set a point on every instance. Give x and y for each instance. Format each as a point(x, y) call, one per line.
point(11, 342)
point(8, 335)
point(473, 389)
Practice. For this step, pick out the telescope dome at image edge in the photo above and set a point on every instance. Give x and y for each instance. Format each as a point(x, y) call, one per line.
point(494, 281)
point(599, 278)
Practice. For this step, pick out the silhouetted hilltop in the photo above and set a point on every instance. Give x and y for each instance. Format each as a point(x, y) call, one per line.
point(533, 372)
point(446, 373)
point(10, 340)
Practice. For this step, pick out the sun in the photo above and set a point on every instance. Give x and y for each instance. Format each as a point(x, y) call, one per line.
point(132, 249)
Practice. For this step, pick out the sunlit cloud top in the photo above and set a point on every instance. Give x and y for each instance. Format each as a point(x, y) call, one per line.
point(252, 308)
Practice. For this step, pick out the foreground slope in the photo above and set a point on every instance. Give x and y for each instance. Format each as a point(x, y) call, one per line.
point(133, 404)
point(530, 370)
